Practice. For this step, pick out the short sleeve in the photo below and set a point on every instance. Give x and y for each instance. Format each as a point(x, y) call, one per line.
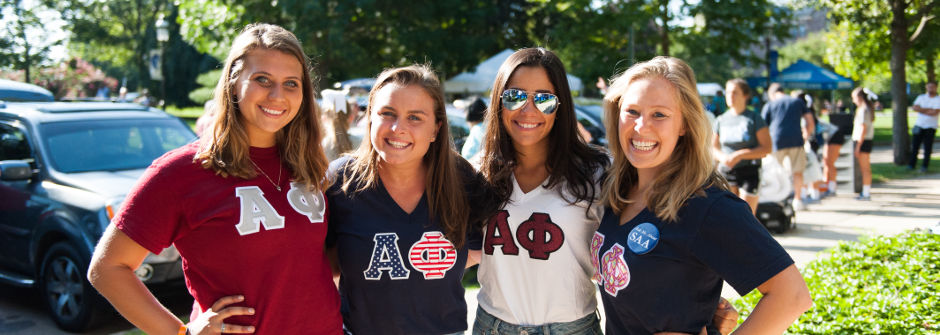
point(736, 246)
point(919, 101)
point(335, 173)
point(152, 213)
point(475, 237)
point(759, 122)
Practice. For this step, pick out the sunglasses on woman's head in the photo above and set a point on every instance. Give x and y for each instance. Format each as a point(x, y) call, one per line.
point(514, 99)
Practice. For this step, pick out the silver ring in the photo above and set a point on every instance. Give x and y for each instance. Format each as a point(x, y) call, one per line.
point(222, 328)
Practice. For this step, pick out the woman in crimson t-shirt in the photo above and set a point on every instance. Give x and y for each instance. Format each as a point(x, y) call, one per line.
point(244, 207)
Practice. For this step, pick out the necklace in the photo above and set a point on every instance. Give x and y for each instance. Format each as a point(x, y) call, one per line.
point(278, 185)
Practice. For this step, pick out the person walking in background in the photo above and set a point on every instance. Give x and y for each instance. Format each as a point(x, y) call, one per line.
point(335, 120)
point(741, 141)
point(720, 103)
point(783, 115)
point(474, 113)
point(862, 135)
point(244, 206)
point(831, 153)
point(927, 106)
point(664, 246)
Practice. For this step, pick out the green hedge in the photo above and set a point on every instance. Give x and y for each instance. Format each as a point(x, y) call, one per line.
point(880, 285)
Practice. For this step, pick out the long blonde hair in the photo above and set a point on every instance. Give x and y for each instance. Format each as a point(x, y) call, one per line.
point(225, 149)
point(447, 200)
point(689, 170)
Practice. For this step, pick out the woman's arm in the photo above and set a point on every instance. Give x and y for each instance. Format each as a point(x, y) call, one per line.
point(858, 144)
point(112, 273)
point(785, 299)
point(763, 148)
point(333, 256)
point(473, 257)
point(716, 149)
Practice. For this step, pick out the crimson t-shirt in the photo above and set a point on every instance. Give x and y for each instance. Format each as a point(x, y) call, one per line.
point(238, 236)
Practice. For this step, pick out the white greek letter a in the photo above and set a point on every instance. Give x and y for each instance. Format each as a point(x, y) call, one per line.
point(256, 211)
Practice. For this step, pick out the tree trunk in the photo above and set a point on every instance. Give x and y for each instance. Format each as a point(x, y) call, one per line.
point(931, 69)
point(664, 15)
point(899, 46)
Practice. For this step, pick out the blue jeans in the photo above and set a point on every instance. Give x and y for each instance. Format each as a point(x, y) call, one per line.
point(487, 324)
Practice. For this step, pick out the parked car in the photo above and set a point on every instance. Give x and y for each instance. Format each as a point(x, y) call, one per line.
point(65, 168)
point(19, 91)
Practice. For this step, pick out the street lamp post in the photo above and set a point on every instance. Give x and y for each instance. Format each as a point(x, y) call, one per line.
point(163, 35)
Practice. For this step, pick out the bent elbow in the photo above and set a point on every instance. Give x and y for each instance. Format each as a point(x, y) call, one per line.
point(802, 300)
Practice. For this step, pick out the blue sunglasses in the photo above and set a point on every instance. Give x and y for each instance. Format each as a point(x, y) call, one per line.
point(514, 99)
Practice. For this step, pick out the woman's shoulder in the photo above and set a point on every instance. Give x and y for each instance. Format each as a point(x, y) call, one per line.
point(182, 157)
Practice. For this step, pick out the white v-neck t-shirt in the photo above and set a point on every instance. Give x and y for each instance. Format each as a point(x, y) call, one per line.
point(542, 274)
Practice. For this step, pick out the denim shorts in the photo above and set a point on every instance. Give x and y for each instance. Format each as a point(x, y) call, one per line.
point(487, 324)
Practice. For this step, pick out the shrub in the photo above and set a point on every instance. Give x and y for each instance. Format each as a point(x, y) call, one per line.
point(207, 81)
point(880, 285)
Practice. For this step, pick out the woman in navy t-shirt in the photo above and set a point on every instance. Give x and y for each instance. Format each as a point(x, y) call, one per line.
point(672, 231)
point(400, 207)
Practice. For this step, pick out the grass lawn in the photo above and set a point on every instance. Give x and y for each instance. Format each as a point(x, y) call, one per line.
point(188, 114)
point(881, 172)
point(883, 123)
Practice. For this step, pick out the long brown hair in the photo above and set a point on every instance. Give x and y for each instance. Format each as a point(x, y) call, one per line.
point(447, 200)
point(569, 160)
point(225, 150)
point(689, 170)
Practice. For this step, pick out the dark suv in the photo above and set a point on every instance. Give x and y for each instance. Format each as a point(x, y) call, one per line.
point(65, 168)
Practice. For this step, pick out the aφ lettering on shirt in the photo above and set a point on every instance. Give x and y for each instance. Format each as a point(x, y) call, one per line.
point(643, 238)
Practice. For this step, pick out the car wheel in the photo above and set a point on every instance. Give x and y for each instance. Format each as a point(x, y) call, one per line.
point(71, 300)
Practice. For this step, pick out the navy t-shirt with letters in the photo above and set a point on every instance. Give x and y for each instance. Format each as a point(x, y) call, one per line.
point(656, 276)
point(400, 274)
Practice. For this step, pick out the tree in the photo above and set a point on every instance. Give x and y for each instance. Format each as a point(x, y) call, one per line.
point(25, 43)
point(727, 38)
point(349, 39)
point(117, 36)
point(858, 25)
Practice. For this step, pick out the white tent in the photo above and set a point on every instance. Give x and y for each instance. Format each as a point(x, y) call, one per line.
point(481, 79)
point(708, 89)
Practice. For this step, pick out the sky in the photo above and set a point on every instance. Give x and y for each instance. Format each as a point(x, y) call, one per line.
point(51, 30)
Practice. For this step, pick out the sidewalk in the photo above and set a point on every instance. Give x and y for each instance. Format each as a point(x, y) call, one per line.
point(896, 206)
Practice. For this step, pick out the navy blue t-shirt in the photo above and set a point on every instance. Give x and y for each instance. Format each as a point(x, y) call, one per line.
point(673, 282)
point(783, 116)
point(400, 275)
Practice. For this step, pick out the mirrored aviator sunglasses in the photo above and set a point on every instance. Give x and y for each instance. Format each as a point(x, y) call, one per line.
point(514, 99)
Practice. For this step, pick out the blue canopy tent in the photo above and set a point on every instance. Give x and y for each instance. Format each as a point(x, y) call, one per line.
point(805, 75)
point(808, 76)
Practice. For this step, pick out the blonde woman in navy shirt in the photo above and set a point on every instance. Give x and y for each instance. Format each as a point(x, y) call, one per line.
point(672, 231)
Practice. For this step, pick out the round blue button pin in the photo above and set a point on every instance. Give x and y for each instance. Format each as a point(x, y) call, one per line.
point(643, 238)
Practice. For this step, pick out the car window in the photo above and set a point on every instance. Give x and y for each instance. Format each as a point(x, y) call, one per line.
point(83, 146)
point(13, 144)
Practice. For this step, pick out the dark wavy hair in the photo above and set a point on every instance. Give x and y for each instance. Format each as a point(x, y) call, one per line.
point(570, 160)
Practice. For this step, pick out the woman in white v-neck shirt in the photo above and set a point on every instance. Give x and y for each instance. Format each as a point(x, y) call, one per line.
point(535, 271)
